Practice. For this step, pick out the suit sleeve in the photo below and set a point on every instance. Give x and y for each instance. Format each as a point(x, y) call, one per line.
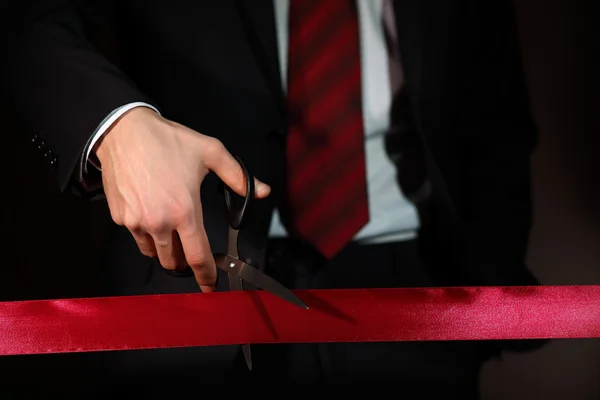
point(61, 87)
point(497, 135)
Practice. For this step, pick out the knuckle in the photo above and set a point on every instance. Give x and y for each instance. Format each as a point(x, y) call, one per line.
point(171, 265)
point(176, 212)
point(116, 215)
point(197, 260)
point(182, 210)
point(162, 242)
point(155, 225)
point(117, 219)
point(132, 222)
point(213, 148)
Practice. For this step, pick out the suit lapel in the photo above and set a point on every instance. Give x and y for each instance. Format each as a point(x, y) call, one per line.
point(258, 20)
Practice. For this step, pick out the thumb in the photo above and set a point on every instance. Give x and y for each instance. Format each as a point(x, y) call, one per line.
point(222, 163)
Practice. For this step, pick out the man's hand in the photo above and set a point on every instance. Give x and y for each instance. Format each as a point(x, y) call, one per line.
point(152, 170)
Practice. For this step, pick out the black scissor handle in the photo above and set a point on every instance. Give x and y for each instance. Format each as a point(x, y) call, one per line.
point(236, 215)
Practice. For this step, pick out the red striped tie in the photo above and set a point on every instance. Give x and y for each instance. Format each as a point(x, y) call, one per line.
point(326, 178)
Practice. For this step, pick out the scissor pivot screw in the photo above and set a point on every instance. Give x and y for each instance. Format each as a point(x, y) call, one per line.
point(232, 265)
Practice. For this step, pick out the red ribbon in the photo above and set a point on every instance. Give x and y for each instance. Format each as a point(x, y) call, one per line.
point(361, 315)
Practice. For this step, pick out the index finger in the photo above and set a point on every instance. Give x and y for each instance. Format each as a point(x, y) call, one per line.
point(197, 251)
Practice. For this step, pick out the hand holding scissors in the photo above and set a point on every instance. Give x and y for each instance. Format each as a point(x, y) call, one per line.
point(238, 271)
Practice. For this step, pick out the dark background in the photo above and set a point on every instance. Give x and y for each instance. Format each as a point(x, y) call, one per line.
point(41, 228)
point(561, 50)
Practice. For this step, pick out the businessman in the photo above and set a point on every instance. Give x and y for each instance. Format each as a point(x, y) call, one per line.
point(391, 143)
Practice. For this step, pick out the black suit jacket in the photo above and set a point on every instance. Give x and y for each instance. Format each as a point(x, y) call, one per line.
point(213, 66)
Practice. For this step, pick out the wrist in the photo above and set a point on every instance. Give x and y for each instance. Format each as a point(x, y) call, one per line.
point(120, 130)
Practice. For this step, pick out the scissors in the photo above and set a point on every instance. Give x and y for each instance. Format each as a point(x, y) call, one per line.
point(239, 271)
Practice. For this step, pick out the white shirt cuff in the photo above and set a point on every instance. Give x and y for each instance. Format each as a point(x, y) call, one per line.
point(102, 128)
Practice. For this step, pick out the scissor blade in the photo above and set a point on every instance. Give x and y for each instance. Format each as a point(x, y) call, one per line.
point(235, 283)
point(258, 279)
point(247, 355)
